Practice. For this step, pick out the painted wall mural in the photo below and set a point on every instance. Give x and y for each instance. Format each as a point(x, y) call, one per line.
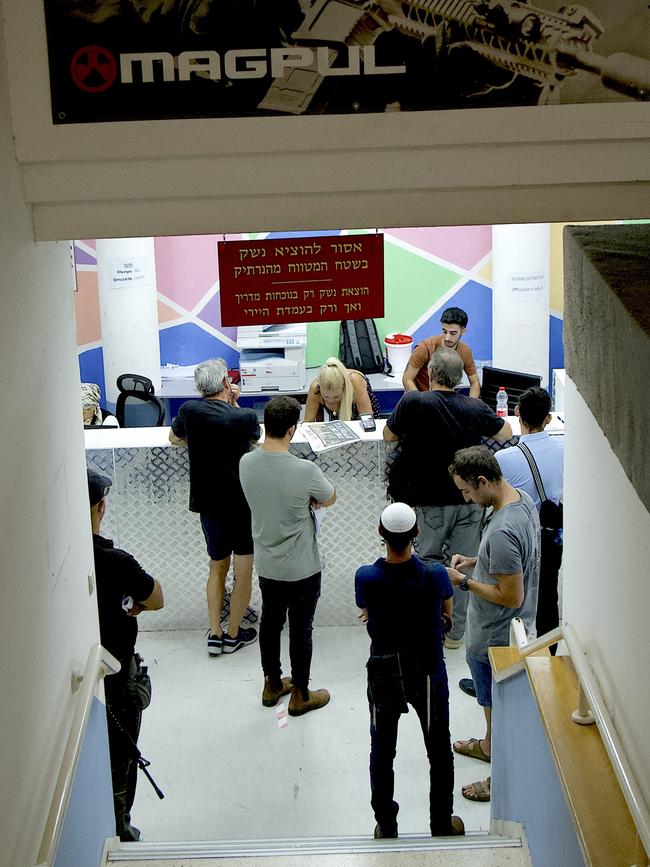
point(426, 270)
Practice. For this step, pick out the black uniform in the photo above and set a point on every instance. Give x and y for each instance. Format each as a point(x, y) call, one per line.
point(119, 575)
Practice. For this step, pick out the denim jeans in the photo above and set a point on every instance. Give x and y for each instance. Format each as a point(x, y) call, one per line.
point(430, 700)
point(448, 530)
point(298, 599)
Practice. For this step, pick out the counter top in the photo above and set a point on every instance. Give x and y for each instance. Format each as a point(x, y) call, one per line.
point(158, 437)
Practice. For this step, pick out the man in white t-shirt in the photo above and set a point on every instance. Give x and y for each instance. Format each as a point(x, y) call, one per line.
point(282, 491)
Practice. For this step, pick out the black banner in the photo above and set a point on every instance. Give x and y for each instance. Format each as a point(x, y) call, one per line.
point(153, 59)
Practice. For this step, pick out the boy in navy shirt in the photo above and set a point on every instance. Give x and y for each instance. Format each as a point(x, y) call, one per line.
point(406, 666)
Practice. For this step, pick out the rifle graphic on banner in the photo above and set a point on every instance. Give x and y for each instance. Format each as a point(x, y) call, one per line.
point(542, 46)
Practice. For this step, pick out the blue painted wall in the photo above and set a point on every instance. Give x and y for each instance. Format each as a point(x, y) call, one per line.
point(525, 784)
point(89, 819)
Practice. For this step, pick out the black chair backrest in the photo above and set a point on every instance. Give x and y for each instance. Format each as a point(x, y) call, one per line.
point(515, 384)
point(139, 409)
point(135, 382)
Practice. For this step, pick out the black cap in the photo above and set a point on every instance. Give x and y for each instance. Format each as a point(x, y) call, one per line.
point(98, 486)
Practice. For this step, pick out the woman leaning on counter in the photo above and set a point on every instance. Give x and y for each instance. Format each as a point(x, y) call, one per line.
point(339, 393)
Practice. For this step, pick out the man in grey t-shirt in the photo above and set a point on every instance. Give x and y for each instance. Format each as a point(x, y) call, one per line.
point(282, 490)
point(504, 582)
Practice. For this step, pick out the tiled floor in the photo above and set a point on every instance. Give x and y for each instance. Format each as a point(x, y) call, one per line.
point(230, 772)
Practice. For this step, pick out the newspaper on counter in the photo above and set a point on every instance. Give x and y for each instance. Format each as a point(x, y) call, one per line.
point(323, 436)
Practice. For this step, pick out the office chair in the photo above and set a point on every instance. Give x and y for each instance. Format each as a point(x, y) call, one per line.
point(515, 384)
point(137, 405)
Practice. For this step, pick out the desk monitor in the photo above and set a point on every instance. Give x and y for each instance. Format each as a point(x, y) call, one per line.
point(515, 384)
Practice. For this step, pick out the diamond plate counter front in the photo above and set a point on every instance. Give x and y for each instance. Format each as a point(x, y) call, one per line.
point(147, 515)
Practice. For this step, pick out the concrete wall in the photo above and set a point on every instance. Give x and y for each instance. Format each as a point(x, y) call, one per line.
point(605, 567)
point(48, 621)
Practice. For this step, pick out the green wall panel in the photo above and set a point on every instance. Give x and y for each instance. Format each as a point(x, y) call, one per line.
point(413, 284)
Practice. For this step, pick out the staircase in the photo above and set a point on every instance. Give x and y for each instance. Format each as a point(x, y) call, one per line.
point(476, 849)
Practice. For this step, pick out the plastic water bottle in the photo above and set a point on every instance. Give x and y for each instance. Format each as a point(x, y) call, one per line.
point(502, 402)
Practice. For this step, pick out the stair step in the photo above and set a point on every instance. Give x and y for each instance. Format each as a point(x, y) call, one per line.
point(188, 851)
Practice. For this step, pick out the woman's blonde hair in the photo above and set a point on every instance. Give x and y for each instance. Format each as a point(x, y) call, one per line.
point(333, 376)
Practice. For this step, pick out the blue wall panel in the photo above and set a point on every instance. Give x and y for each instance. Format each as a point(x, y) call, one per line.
point(189, 344)
point(91, 369)
point(476, 300)
point(525, 783)
point(89, 819)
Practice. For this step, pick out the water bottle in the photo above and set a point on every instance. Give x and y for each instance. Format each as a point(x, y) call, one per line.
point(502, 402)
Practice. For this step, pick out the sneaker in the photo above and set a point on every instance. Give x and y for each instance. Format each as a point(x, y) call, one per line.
point(467, 686)
point(299, 705)
point(452, 643)
point(215, 643)
point(273, 692)
point(385, 833)
point(244, 637)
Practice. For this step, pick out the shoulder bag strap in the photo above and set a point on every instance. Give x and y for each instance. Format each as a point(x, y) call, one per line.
point(534, 470)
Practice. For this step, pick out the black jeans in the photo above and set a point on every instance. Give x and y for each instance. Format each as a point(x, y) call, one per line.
point(123, 723)
point(548, 616)
point(299, 599)
point(430, 700)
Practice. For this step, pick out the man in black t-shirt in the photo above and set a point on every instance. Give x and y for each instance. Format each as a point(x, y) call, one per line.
point(217, 432)
point(406, 666)
point(124, 590)
point(429, 428)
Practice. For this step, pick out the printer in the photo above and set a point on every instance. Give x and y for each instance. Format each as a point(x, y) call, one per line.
point(272, 357)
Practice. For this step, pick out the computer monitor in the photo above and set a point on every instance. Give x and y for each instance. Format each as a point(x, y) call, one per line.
point(515, 384)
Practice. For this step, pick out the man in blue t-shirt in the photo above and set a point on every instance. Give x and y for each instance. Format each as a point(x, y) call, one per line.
point(406, 666)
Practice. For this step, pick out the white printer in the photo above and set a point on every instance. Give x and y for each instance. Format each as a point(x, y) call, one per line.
point(272, 357)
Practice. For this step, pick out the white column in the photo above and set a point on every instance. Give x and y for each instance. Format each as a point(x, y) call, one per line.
point(520, 298)
point(128, 307)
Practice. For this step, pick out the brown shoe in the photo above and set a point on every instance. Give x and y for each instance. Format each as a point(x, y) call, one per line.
point(273, 692)
point(299, 705)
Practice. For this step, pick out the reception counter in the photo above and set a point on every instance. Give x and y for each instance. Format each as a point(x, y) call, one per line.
point(147, 514)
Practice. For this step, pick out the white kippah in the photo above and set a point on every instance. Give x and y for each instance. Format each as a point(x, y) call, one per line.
point(398, 518)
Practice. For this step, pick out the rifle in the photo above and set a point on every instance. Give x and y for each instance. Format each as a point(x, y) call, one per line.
point(543, 46)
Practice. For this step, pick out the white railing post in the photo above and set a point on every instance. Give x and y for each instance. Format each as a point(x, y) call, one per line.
point(582, 715)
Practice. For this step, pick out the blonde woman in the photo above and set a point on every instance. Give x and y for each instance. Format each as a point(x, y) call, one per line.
point(339, 393)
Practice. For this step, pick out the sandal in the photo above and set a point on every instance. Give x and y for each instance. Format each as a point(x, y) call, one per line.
point(471, 748)
point(479, 791)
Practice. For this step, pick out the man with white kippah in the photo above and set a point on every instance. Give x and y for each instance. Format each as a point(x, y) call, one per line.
point(429, 427)
point(406, 666)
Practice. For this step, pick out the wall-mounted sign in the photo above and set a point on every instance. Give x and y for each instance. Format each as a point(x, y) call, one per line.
point(149, 59)
point(310, 279)
point(129, 273)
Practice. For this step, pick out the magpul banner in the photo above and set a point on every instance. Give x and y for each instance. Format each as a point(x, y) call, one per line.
point(311, 279)
point(148, 59)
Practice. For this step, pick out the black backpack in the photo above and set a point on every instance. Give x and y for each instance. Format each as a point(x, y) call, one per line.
point(359, 347)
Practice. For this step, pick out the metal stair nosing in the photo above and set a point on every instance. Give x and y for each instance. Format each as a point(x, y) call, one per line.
point(306, 846)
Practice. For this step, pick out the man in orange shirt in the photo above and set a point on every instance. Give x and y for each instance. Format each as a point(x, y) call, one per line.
point(454, 325)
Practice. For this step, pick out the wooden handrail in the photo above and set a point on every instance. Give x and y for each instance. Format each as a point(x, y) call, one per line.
point(591, 709)
point(100, 663)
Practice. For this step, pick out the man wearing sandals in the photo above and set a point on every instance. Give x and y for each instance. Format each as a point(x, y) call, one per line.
point(503, 585)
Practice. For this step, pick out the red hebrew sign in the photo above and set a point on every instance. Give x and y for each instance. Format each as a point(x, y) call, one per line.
point(311, 279)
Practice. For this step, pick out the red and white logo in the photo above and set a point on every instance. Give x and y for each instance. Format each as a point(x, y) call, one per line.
point(93, 69)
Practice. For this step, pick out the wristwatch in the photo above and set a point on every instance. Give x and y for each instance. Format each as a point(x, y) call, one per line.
point(463, 584)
